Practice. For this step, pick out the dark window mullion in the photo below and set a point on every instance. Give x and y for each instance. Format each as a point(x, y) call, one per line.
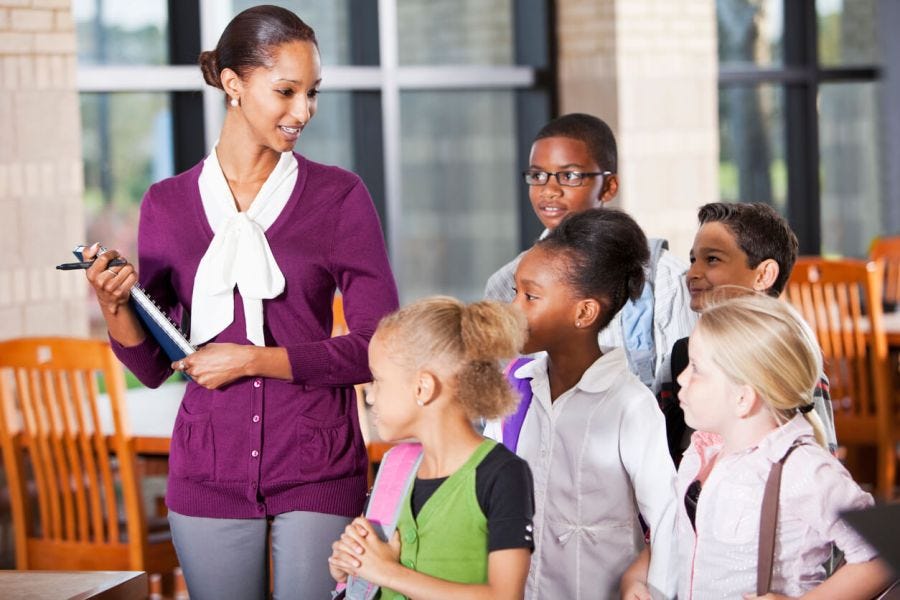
point(188, 137)
point(366, 128)
point(801, 124)
point(535, 46)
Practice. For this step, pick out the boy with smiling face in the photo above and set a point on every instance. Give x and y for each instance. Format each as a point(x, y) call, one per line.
point(748, 245)
point(572, 167)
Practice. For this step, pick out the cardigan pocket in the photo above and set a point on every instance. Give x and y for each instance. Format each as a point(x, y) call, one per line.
point(325, 449)
point(193, 454)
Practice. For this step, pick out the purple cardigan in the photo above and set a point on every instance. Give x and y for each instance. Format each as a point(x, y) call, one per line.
point(262, 446)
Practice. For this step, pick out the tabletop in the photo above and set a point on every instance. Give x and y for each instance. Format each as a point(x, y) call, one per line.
point(73, 585)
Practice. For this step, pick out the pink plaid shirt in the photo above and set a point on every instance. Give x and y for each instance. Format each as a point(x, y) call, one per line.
point(719, 559)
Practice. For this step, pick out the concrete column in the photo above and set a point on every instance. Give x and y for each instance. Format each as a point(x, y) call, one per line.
point(649, 68)
point(41, 212)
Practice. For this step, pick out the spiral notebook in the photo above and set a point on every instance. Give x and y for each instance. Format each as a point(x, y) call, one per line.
point(169, 336)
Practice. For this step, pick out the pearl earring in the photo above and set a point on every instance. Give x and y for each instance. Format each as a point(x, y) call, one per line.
point(577, 323)
point(420, 403)
point(234, 102)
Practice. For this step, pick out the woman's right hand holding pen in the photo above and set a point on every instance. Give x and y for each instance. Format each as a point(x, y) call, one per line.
point(112, 286)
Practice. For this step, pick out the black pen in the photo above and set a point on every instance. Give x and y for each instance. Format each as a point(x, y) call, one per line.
point(116, 262)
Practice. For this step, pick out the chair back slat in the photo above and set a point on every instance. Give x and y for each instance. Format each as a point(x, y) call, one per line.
point(102, 451)
point(887, 250)
point(11, 445)
point(86, 446)
point(65, 484)
point(65, 397)
point(32, 424)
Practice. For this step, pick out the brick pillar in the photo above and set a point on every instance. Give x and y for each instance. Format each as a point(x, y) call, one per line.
point(41, 214)
point(649, 68)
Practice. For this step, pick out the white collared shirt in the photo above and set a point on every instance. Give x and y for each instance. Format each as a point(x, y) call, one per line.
point(719, 560)
point(599, 458)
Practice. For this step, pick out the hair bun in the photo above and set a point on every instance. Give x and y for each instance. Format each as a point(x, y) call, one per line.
point(210, 68)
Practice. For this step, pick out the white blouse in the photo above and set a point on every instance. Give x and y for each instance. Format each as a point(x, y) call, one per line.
point(239, 254)
point(599, 458)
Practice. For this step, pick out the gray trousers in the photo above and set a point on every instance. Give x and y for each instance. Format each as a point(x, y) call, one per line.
point(226, 558)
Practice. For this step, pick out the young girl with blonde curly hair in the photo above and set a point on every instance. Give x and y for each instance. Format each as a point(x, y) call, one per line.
point(464, 528)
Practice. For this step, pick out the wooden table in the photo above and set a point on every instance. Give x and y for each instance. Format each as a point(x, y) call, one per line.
point(151, 415)
point(892, 329)
point(73, 585)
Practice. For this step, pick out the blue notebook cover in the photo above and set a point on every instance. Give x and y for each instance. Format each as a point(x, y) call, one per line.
point(170, 338)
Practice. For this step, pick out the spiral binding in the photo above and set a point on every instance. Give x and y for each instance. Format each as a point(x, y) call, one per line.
point(160, 318)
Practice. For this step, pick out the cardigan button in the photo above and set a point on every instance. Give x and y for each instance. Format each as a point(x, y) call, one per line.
point(257, 383)
point(409, 564)
point(256, 418)
point(255, 453)
point(410, 536)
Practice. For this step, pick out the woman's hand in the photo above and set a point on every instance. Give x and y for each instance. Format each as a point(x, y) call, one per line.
point(360, 553)
point(767, 597)
point(215, 365)
point(111, 284)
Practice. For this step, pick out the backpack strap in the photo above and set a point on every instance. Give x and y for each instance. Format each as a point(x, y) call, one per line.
point(638, 320)
point(512, 424)
point(395, 477)
point(768, 524)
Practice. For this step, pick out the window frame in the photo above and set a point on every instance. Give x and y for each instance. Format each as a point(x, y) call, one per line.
point(801, 76)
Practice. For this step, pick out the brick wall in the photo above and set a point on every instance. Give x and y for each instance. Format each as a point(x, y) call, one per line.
point(649, 68)
point(41, 214)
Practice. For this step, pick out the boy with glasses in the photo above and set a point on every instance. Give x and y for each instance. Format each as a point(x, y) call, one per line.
point(572, 168)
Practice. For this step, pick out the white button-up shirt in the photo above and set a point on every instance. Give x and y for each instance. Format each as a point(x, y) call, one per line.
point(719, 560)
point(598, 455)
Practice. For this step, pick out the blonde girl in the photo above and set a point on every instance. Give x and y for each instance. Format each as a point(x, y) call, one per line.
point(748, 391)
point(464, 530)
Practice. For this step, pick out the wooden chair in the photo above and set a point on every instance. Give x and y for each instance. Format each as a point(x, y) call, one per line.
point(50, 422)
point(841, 300)
point(887, 250)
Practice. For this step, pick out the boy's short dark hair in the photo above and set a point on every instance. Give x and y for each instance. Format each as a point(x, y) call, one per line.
point(593, 131)
point(760, 232)
point(607, 252)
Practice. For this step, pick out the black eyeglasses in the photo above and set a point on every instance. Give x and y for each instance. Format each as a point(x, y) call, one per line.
point(566, 178)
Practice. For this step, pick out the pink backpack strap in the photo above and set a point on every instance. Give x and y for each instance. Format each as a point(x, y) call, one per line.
point(395, 477)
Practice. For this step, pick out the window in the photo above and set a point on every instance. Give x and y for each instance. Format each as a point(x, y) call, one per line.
point(799, 111)
point(432, 102)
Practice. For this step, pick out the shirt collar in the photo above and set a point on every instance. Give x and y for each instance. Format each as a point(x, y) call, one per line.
point(599, 377)
point(775, 445)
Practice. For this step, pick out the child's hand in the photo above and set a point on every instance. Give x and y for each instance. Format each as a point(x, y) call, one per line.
point(638, 590)
point(360, 553)
point(337, 574)
point(767, 597)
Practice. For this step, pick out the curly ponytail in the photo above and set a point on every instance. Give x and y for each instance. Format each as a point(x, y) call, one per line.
point(465, 342)
point(490, 331)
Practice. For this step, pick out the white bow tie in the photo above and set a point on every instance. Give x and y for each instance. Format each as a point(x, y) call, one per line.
point(239, 254)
